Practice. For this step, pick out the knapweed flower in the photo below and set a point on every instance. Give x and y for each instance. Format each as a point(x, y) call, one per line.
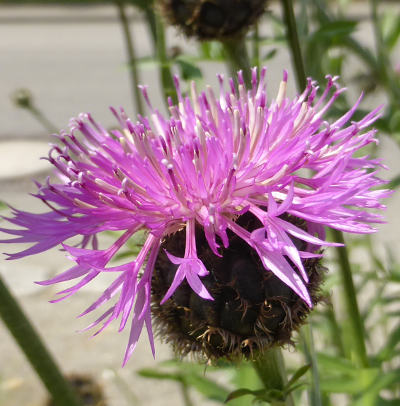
point(233, 193)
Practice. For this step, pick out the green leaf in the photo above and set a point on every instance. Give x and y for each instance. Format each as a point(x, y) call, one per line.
point(359, 381)
point(338, 375)
point(207, 387)
point(155, 374)
point(297, 375)
point(185, 367)
point(391, 29)
point(387, 402)
point(389, 350)
point(334, 30)
point(238, 393)
point(245, 375)
point(267, 395)
point(189, 71)
point(337, 364)
point(147, 62)
point(295, 387)
point(273, 396)
point(189, 375)
point(335, 64)
point(269, 55)
point(390, 299)
point(383, 381)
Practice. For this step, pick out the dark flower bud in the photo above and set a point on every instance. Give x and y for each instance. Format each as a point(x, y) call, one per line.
point(252, 309)
point(212, 19)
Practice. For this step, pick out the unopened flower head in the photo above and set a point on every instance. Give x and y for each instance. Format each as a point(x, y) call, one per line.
point(218, 159)
point(212, 20)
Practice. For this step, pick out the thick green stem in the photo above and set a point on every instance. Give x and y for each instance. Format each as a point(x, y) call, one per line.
point(352, 309)
point(237, 58)
point(270, 367)
point(34, 349)
point(294, 43)
point(133, 69)
point(163, 62)
point(269, 364)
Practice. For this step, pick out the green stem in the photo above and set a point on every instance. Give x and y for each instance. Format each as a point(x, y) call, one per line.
point(311, 358)
point(384, 63)
point(151, 21)
point(185, 394)
point(335, 330)
point(256, 47)
point(294, 43)
point(133, 69)
point(43, 120)
point(34, 349)
point(164, 64)
point(270, 367)
point(238, 58)
point(352, 309)
point(345, 268)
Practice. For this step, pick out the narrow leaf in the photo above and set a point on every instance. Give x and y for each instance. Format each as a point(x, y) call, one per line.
point(241, 392)
point(297, 375)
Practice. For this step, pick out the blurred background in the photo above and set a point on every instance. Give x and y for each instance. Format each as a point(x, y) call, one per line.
point(63, 58)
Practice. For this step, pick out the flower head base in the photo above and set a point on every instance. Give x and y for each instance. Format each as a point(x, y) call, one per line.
point(215, 159)
point(252, 309)
point(212, 19)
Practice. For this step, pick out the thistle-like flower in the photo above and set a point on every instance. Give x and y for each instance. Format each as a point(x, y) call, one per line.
point(233, 193)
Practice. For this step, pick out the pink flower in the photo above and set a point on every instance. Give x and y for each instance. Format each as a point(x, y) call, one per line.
point(213, 159)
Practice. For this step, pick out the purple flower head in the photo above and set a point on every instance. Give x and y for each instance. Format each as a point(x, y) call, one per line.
point(214, 159)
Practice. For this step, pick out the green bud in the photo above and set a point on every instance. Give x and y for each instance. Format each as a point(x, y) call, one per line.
point(22, 98)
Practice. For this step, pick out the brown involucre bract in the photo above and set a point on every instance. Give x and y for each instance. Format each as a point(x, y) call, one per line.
point(252, 309)
point(212, 19)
